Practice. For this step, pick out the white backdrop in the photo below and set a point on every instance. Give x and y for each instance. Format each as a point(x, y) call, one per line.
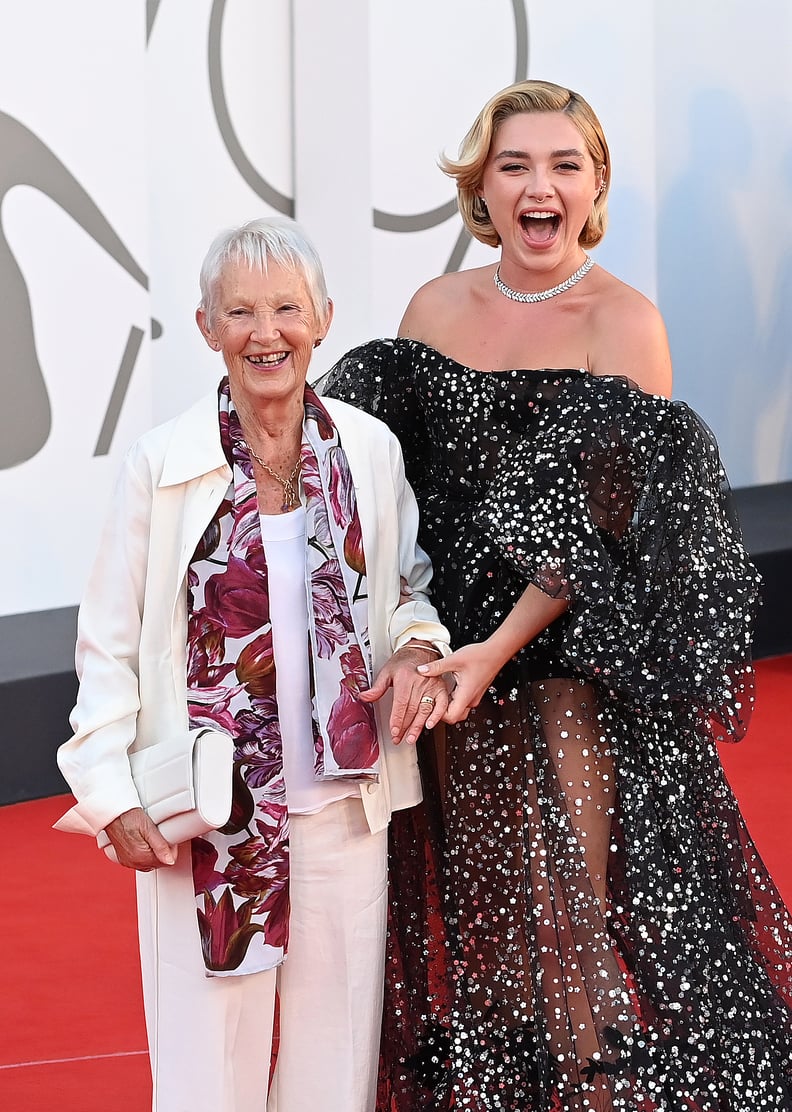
point(130, 133)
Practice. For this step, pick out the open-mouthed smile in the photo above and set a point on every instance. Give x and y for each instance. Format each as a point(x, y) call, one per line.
point(540, 225)
point(270, 359)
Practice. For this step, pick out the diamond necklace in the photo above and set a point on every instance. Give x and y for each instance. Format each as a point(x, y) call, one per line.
point(542, 295)
point(290, 497)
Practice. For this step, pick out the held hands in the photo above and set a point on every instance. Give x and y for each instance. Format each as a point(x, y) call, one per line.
point(473, 668)
point(138, 842)
point(419, 702)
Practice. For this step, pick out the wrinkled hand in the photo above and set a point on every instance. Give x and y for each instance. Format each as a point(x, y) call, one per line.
point(409, 716)
point(473, 667)
point(138, 842)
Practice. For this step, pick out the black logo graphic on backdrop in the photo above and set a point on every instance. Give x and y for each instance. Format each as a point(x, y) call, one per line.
point(388, 221)
point(25, 415)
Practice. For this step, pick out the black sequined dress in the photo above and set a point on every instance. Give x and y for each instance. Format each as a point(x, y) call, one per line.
point(579, 918)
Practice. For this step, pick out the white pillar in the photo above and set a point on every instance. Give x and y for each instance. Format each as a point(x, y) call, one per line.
point(332, 158)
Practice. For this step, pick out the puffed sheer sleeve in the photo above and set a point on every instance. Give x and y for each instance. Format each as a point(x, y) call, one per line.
point(620, 504)
point(379, 378)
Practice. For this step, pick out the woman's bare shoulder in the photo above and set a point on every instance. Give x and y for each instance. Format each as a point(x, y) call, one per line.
point(630, 337)
point(433, 307)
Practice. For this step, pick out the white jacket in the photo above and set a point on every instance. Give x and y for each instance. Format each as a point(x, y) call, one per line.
point(132, 631)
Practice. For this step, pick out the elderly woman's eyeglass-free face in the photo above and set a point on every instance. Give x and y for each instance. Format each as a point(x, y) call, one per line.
point(265, 327)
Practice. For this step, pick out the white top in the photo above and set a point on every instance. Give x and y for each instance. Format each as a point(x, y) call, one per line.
point(284, 546)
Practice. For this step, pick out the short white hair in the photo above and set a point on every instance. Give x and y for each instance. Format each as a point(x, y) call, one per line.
point(254, 244)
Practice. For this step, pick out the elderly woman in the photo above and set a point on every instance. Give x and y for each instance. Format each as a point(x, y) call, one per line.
point(258, 568)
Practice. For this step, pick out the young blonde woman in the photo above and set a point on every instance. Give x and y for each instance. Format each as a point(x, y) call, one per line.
point(609, 938)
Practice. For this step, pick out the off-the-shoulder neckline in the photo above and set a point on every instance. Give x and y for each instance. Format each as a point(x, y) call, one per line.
point(495, 371)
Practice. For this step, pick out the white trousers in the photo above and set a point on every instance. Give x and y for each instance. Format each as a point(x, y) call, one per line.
point(210, 1037)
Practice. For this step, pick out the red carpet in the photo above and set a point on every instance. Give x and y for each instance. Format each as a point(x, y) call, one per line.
point(71, 1028)
point(759, 770)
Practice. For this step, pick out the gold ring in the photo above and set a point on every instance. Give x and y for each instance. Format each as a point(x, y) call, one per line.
point(428, 699)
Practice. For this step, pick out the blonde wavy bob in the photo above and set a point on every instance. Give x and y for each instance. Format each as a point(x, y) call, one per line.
point(526, 96)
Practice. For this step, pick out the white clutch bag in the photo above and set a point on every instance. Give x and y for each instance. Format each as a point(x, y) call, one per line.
point(184, 785)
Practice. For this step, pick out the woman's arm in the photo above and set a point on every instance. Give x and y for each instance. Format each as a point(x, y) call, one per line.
point(475, 666)
point(415, 628)
point(94, 761)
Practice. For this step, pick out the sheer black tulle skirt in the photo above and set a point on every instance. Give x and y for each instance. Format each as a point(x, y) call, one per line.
point(579, 920)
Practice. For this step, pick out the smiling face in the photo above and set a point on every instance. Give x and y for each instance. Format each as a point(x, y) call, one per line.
point(265, 326)
point(539, 184)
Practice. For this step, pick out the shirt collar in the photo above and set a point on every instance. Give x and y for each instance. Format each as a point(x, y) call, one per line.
point(195, 447)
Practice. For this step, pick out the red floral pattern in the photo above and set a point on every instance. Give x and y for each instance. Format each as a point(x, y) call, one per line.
point(232, 686)
point(353, 547)
point(339, 608)
point(204, 858)
point(355, 745)
point(226, 930)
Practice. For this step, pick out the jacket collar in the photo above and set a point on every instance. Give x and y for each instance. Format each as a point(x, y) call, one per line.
point(195, 447)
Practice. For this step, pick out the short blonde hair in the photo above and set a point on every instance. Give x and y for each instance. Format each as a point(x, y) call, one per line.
point(526, 96)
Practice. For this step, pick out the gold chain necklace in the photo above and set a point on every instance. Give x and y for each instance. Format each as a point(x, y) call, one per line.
point(290, 496)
